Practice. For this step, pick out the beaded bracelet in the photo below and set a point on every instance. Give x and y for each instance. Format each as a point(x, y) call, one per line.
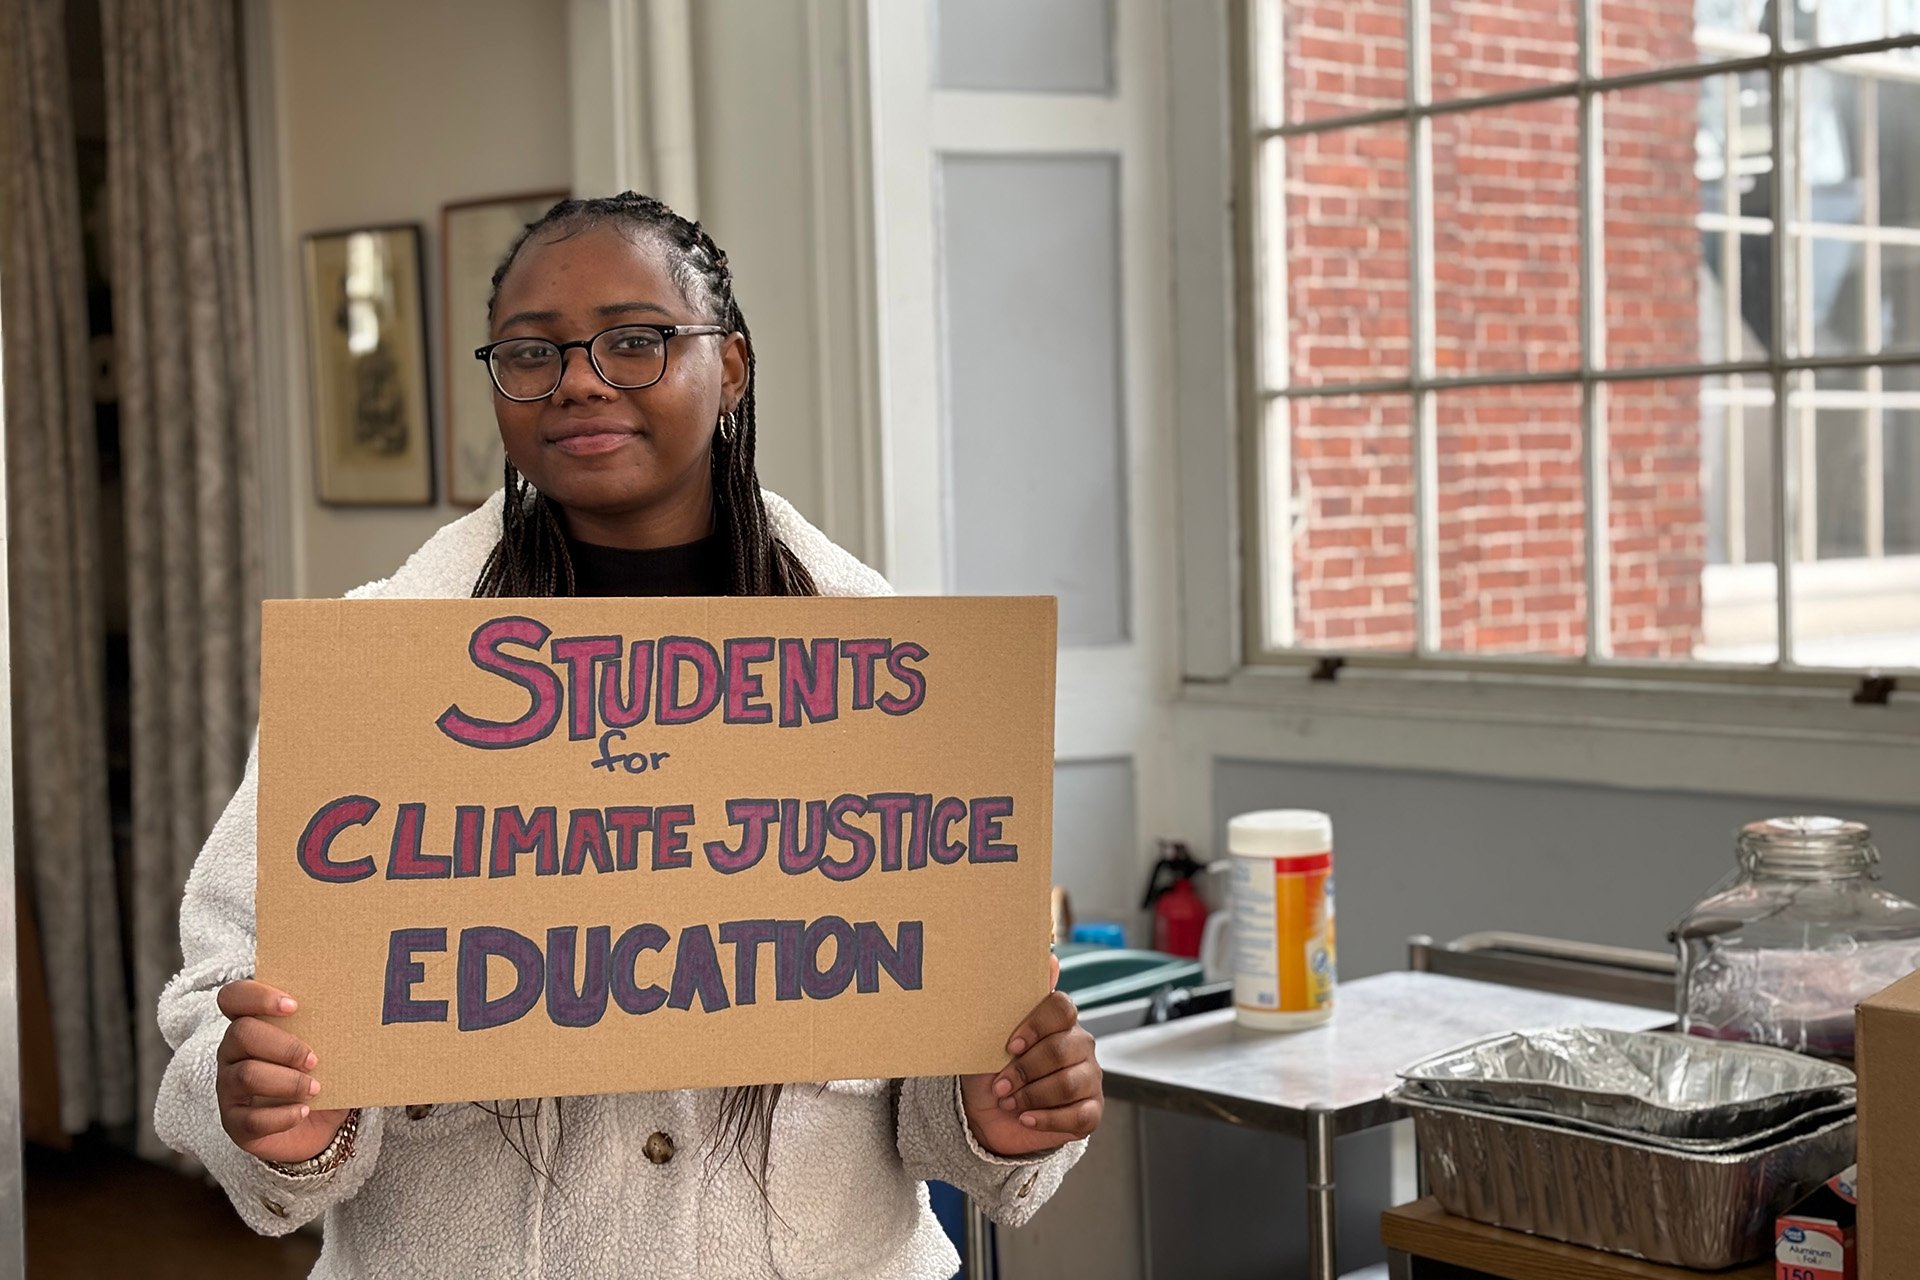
point(335, 1154)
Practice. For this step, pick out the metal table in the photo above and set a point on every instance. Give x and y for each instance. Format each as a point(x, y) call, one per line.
point(1332, 1080)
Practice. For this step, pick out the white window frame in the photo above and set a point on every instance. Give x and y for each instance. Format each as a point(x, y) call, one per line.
point(1765, 731)
point(1261, 159)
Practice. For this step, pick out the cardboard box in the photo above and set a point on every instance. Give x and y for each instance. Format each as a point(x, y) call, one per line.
point(1888, 1060)
point(533, 848)
point(1814, 1240)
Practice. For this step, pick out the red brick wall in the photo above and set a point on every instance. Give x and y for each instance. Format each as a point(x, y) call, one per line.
point(1510, 500)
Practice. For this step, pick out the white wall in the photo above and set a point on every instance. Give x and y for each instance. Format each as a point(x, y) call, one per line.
point(375, 112)
point(383, 112)
point(779, 113)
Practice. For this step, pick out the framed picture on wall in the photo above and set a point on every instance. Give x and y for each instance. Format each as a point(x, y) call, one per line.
point(474, 236)
point(367, 352)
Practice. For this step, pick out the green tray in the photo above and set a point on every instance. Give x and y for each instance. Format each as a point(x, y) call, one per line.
point(1096, 976)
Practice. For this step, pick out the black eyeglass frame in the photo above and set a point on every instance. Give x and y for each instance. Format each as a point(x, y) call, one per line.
point(667, 332)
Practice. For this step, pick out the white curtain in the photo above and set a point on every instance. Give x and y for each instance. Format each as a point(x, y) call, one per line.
point(63, 836)
point(183, 333)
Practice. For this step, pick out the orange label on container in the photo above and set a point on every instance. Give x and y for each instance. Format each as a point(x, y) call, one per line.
point(1303, 928)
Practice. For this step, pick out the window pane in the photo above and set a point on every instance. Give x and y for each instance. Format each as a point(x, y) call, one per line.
point(1834, 292)
point(1833, 22)
point(1681, 264)
point(1832, 157)
point(1640, 35)
point(1347, 537)
point(1739, 586)
point(1856, 600)
point(1506, 239)
point(1899, 297)
point(1835, 319)
point(1667, 458)
point(1487, 46)
point(1511, 510)
point(1836, 453)
point(1896, 109)
point(1346, 253)
point(1900, 483)
point(1344, 56)
point(1857, 260)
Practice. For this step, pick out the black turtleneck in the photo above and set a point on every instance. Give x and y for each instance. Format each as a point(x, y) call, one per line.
point(693, 569)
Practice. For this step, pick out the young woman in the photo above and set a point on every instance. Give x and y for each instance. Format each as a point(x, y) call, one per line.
point(623, 372)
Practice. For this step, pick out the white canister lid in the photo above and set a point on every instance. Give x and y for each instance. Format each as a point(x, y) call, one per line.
point(1280, 833)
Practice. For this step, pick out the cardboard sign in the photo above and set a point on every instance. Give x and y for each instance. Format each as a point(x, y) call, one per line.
point(529, 848)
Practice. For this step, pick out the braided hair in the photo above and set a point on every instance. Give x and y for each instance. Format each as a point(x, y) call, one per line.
point(531, 557)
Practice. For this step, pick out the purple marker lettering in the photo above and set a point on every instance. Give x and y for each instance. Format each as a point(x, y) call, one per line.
point(514, 835)
point(627, 991)
point(404, 859)
point(541, 684)
point(809, 681)
point(579, 654)
point(317, 840)
point(477, 1013)
point(864, 655)
point(752, 817)
point(744, 685)
point(675, 651)
point(912, 677)
point(746, 938)
point(670, 852)
point(628, 821)
point(902, 959)
point(945, 814)
point(824, 983)
point(623, 710)
point(859, 841)
point(797, 858)
point(696, 972)
point(987, 813)
point(583, 1005)
point(586, 839)
point(403, 971)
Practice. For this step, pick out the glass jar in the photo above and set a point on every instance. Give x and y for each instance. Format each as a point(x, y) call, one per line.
point(1783, 949)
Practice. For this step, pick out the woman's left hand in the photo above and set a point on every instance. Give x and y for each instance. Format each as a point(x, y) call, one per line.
point(1049, 1094)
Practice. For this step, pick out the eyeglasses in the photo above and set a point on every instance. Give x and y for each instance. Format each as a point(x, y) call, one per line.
point(627, 356)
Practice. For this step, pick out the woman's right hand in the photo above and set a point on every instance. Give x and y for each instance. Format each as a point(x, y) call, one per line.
point(265, 1081)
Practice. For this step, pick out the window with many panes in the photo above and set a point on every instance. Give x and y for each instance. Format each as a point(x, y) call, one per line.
point(1586, 329)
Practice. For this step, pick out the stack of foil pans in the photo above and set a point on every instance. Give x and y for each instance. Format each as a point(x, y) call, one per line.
point(1670, 1148)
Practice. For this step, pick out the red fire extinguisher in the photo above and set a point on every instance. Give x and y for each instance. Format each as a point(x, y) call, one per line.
point(1179, 915)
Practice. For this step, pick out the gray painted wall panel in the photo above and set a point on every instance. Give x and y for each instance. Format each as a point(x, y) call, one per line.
point(1031, 354)
point(1055, 46)
point(1447, 855)
point(1096, 840)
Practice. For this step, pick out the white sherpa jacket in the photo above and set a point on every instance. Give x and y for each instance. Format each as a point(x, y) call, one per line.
point(437, 1192)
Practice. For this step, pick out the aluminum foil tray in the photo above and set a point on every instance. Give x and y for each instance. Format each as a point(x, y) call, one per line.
point(1647, 1082)
point(1806, 1122)
point(1707, 1212)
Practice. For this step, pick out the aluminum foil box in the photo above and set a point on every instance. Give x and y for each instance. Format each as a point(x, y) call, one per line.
point(1816, 1240)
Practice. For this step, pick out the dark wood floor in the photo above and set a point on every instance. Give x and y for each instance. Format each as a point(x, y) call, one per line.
point(98, 1211)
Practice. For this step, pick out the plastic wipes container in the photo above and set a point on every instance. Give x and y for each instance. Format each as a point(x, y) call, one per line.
point(1283, 937)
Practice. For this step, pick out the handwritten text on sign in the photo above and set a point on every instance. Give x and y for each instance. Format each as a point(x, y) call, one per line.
point(523, 848)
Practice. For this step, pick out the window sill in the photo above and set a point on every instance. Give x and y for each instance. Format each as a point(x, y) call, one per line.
point(1665, 735)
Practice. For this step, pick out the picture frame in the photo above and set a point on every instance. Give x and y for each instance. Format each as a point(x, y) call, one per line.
point(367, 358)
point(474, 236)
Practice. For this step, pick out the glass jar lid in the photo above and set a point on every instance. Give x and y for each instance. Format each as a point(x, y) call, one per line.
point(1807, 845)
